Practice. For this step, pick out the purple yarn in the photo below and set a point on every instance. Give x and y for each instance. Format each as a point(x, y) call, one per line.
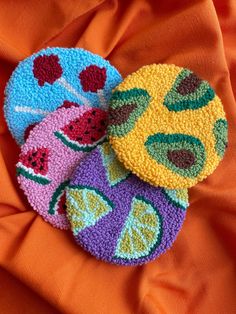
point(100, 240)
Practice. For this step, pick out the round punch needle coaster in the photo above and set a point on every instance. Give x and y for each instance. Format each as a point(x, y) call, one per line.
point(44, 81)
point(51, 153)
point(117, 217)
point(167, 126)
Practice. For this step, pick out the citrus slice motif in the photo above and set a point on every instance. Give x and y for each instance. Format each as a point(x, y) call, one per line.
point(115, 171)
point(85, 206)
point(178, 197)
point(142, 231)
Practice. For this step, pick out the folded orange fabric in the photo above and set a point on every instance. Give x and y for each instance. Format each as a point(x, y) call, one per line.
point(41, 269)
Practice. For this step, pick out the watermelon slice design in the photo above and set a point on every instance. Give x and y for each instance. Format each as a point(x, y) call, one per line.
point(34, 165)
point(58, 201)
point(85, 132)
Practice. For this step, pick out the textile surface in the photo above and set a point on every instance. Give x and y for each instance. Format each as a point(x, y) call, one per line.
point(41, 269)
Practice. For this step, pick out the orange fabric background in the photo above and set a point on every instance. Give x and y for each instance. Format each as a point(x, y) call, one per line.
point(41, 269)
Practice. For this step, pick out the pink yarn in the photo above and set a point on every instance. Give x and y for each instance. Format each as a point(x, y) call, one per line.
point(62, 162)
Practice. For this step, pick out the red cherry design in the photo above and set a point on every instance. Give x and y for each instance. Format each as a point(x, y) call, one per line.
point(68, 104)
point(47, 69)
point(93, 78)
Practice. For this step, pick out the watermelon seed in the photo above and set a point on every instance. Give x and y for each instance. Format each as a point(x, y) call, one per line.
point(42, 159)
point(34, 154)
point(86, 132)
point(100, 130)
point(30, 158)
point(94, 112)
point(93, 127)
point(79, 138)
point(89, 120)
point(71, 127)
point(64, 206)
point(41, 168)
point(93, 139)
point(34, 163)
point(43, 154)
point(103, 122)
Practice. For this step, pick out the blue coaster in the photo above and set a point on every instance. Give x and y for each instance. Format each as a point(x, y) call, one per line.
point(52, 78)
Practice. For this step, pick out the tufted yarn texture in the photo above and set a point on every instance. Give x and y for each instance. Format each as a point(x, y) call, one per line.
point(52, 152)
point(117, 217)
point(167, 126)
point(52, 78)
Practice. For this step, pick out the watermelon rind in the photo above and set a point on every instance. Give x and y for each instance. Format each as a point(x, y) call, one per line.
point(56, 197)
point(29, 174)
point(75, 145)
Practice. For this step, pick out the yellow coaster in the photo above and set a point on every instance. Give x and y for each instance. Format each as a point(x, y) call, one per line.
point(167, 126)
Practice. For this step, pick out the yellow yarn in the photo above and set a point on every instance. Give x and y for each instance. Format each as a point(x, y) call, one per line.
point(156, 118)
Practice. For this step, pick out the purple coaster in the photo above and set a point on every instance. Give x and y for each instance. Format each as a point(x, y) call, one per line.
point(117, 217)
point(52, 152)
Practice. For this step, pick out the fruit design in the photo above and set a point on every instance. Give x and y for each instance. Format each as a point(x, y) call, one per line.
point(57, 204)
point(136, 221)
point(85, 132)
point(34, 165)
point(47, 69)
point(142, 231)
point(85, 206)
point(54, 78)
point(93, 79)
point(178, 197)
point(125, 108)
point(181, 135)
point(68, 104)
point(188, 92)
point(220, 132)
point(114, 168)
point(183, 154)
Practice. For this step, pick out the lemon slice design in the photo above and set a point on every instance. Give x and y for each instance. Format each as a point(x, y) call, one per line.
point(85, 206)
point(178, 197)
point(115, 171)
point(142, 231)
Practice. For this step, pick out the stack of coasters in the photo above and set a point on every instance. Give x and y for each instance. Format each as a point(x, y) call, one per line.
point(52, 78)
point(167, 126)
point(51, 153)
point(117, 217)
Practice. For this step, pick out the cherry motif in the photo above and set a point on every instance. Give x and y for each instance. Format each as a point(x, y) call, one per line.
point(47, 69)
point(93, 78)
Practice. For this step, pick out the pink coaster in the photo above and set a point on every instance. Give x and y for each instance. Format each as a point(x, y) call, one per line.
point(52, 152)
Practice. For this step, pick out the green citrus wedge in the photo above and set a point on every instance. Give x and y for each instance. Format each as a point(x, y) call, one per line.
point(85, 206)
point(142, 231)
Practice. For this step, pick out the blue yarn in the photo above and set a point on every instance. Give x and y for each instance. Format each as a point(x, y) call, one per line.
point(23, 89)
